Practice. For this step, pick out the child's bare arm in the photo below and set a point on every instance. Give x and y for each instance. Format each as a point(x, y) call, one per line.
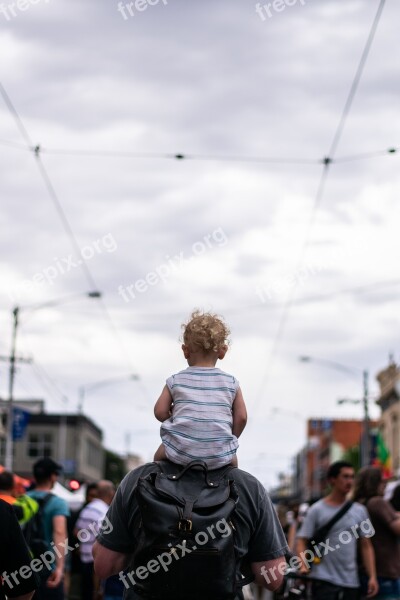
point(239, 414)
point(162, 408)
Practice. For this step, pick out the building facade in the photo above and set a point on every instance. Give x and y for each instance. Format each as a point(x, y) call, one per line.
point(389, 402)
point(327, 441)
point(72, 440)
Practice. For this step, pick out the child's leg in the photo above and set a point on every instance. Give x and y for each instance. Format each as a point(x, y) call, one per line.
point(160, 454)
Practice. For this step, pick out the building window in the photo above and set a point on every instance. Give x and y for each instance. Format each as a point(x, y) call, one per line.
point(93, 455)
point(40, 445)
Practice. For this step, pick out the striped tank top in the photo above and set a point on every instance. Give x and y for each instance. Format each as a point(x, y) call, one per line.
point(201, 422)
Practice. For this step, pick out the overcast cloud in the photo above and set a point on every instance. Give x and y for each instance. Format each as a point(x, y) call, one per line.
point(211, 79)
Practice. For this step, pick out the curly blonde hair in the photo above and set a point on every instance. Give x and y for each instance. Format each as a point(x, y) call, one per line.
point(205, 331)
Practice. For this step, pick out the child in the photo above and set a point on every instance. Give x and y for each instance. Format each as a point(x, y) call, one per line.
point(201, 408)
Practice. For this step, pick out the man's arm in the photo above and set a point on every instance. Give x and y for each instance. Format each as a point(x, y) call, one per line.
point(301, 547)
point(395, 525)
point(59, 537)
point(108, 562)
point(368, 558)
point(269, 573)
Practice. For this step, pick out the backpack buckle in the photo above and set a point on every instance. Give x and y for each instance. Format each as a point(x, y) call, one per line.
point(185, 525)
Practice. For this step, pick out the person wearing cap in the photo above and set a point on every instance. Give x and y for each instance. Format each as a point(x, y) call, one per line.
point(55, 513)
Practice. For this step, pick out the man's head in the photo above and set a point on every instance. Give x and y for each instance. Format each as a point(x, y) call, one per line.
point(7, 482)
point(105, 491)
point(46, 471)
point(340, 475)
point(91, 492)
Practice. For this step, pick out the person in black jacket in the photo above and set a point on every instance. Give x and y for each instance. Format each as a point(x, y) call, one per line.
point(257, 536)
point(18, 580)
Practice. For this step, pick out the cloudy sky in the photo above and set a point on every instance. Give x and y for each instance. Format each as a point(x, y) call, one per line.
point(110, 97)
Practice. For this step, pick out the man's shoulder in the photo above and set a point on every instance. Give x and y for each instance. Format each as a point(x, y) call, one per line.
point(358, 509)
point(53, 503)
point(317, 506)
point(238, 475)
point(245, 478)
point(94, 508)
point(5, 509)
point(58, 506)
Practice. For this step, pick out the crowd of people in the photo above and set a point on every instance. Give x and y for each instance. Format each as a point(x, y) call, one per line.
point(69, 536)
point(346, 544)
point(359, 556)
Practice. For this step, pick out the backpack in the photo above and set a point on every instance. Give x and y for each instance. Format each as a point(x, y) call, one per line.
point(26, 507)
point(185, 538)
point(34, 533)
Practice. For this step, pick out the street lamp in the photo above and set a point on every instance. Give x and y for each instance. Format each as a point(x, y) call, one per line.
point(365, 454)
point(98, 384)
point(16, 313)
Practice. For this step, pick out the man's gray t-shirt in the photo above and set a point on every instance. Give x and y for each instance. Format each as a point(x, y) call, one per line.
point(339, 551)
point(258, 536)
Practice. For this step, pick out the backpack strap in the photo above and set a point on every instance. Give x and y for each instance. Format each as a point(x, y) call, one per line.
point(44, 501)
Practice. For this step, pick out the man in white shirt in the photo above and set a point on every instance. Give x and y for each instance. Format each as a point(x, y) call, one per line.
point(86, 529)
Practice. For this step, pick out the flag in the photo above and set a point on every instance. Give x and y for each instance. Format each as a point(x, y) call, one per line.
point(382, 456)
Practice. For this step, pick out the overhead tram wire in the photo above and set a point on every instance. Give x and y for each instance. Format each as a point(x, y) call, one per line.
point(183, 156)
point(64, 220)
point(318, 199)
point(48, 383)
point(365, 155)
point(16, 145)
point(198, 157)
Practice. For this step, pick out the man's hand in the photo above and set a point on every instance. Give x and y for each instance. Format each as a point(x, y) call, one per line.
point(301, 547)
point(368, 557)
point(55, 578)
point(304, 569)
point(373, 587)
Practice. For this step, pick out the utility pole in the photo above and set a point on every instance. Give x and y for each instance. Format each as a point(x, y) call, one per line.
point(9, 439)
point(365, 458)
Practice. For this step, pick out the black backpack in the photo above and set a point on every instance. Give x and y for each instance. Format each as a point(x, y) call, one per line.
point(34, 533)
point(185, 536)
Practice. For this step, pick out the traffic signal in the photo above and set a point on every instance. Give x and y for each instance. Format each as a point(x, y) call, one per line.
point(74, 485)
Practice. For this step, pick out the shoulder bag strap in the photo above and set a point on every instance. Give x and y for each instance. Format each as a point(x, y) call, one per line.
point(323, 531)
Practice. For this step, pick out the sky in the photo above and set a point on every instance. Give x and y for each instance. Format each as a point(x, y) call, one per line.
point(109, 98)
